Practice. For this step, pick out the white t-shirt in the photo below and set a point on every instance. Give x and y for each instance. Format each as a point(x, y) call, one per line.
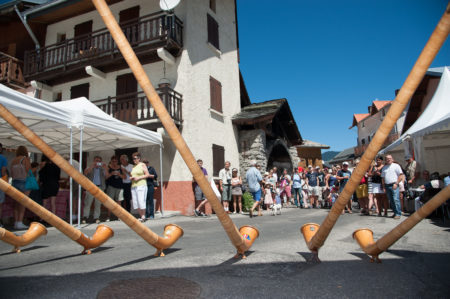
point(129, 168)
point(390, 173)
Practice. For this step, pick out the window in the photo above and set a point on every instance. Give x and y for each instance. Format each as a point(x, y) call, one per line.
point(216, 94)
point(57, 97)
point(82, 36)
point(60, 37)
point(218, 158)
point(212, 5)
point(78, 91)
point(213, 32)
point(362, 124)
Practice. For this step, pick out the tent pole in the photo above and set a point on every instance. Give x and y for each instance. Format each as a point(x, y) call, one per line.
point(80, 169)
point(133, 62)
point(70, 178)
point(161, 179)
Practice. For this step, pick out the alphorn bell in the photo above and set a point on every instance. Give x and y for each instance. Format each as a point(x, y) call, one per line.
point(102, 234)
point(406, 92)
point(124, 46)
point(34, 231)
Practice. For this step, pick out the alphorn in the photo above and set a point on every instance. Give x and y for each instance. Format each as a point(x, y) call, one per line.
point(153, 239)
point(234, 235)
point(411, 83)
point(102, 234)
point(34, 231)
point(364, 236)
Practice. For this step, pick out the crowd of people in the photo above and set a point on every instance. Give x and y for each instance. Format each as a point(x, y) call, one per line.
point(131, 185)
point(385, 185)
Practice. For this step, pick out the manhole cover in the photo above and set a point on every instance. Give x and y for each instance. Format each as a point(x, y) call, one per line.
point(152, 287)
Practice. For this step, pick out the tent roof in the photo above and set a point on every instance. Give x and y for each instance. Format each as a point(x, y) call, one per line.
point(435, 116)
point(52, 122)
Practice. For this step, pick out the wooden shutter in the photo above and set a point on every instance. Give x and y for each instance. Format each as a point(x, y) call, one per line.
point(215, 94)
point(125, 108)
point(218, 158)
point(125, 18)
point(213, 32)
point(82, 37)
point(78, 91)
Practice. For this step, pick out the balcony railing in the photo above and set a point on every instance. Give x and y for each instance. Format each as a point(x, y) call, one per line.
point(359, 150)
point(150, 31)
point(134, 107)
point(11, 72)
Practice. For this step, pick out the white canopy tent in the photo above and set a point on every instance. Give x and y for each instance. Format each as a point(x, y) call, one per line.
point(54, 123)
point(435, 117)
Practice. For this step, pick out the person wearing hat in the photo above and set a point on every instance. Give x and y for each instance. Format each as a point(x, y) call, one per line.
point(343, 176)
point(411, 170)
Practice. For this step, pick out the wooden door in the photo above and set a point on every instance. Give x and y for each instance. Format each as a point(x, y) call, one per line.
point(82, 36)
point(128, 19)
point(126, 98)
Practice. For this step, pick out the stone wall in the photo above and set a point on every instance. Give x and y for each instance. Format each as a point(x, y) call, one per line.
point(252, 146)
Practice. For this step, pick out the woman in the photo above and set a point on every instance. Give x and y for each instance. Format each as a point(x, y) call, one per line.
point(285, 181)
point(49, 182)
point(236, 190)
point(139, 175)
point(20, 166)
point(114, 185)
point(362, 194)
point(379, 198)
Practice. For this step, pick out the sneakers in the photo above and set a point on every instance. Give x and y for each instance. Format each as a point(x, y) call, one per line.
point(83, 221)
point(97, 221)
point(203, 214)
point(234, 212)
point(107, 220)
point(20, 225)
point(197, 213)
point(242, 213)
point(142, 219)
point(396, 217)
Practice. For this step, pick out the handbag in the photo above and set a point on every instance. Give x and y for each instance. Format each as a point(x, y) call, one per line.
point(30, 182)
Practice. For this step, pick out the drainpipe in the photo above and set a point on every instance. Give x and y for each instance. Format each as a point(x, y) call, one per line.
point(27, 27)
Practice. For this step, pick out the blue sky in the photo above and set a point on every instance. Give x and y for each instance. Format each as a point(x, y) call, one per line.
point(331, 59)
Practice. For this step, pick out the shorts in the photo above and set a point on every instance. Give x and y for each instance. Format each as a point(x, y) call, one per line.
point(115, 193)
point(139, 197)
point(256, 195)
point(314, 190)
point(198, 193)
point(19, 185)
point(361, 191)
point(287, 191)
point(226, 193)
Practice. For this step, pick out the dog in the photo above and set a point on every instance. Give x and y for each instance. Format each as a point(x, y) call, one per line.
point(276, 209)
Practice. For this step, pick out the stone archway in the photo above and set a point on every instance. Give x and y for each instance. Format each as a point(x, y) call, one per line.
point(279, 157)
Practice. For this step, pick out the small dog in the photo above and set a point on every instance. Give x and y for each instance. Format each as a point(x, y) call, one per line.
point(276, 209)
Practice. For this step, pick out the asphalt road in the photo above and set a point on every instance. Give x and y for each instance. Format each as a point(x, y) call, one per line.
point(201, 263)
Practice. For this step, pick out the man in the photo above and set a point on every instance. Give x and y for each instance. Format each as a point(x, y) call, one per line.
point(96, 172)
point(312, 180)
point(225, 185)
point(411, 170)
point(200, 198)
point(126, 182)
point(322, 185)
point(65, 181)
point(391, 175)
point(343, 175)
point(151, 182)
point(3, 169)
point(254, 178)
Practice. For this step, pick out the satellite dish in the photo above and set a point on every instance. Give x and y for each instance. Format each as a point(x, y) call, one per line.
point(168, 5)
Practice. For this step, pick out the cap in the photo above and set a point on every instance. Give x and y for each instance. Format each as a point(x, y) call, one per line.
point(345, 163)
point(309, 166)
point(317, 167)
point(407, 157)
point(234, 169)
point(266, 173)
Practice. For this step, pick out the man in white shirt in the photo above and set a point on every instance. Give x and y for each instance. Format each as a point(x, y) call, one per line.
point(391, 176)
point(225, 185)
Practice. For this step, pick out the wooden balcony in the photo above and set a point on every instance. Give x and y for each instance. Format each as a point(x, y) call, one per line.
point(11, 72)
point(359, 150)
point(134, 108)
point(65, 61)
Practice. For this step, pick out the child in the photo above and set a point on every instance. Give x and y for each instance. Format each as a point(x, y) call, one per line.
point(268, 195)
point(333, 195)
point(276, 207)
